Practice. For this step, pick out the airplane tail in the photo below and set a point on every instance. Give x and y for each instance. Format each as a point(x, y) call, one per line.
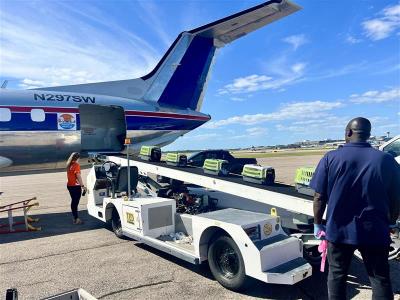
point(180, 78)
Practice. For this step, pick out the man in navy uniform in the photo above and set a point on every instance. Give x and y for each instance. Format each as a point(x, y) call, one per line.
point(361, 187)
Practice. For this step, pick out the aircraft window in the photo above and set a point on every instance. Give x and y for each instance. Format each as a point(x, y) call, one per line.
point(5, 114)
point(38, 115)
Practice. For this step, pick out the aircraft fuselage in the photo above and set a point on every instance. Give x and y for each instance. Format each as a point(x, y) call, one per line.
point(48, 125)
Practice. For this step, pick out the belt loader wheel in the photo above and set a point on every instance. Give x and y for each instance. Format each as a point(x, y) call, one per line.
point(116, 224)
point(226, 264)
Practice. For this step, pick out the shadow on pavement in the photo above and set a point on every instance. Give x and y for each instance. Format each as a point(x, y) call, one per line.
point(310, 288)
point(52, 224)
point(256, 288)
point(55, 224)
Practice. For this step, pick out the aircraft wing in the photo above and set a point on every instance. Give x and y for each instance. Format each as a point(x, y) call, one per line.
point(237, 25)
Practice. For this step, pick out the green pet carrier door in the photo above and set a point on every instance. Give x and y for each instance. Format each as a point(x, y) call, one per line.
point(302, 180)
point(176, 159)
point(258, 174)
point(217, 167)
point(150, 153)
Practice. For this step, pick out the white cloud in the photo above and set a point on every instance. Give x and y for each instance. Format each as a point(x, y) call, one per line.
point(153, 18)
point(256, 131)
point(250, 133)
point(315, 125)
point(31, 84)
point(59, 45)
point(378, 29)
point(331, 126)
point(249, 83)
point(387, 126)
point(389, 69)
point(376, 96)
point(392, 128)
point(296, 40)
point(352, 40)
point(253, 83)
point(298, 68)
point(201, 137)
point(298, 110)
point(384, 66)
point(383, 26)
point(238, 99)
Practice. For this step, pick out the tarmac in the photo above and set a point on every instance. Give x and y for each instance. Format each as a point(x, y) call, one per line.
point(64, 257)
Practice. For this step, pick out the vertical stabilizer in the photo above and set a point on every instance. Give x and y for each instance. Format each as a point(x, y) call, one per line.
point(180, 78)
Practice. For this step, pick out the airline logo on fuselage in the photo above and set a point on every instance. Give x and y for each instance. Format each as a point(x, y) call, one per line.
point(65, 98)
point(66, 121)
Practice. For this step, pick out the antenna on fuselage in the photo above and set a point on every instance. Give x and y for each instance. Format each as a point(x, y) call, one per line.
point(4, 84)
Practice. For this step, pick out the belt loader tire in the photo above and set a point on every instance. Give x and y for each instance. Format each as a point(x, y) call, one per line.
point(116, 224)
point(226, 264)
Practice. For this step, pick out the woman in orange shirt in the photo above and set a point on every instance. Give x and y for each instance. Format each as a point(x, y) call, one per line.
point(75, 184)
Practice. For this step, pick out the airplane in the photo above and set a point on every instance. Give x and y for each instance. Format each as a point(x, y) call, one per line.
point(40, 127)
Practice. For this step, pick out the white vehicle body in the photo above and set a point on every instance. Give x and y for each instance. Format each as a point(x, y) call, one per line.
point(392, 146)
point(267, 252)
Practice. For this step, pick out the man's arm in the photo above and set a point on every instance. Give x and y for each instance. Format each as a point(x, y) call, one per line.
point(319, 206)
point(319, 183)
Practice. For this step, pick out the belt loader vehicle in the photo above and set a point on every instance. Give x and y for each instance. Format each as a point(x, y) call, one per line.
point(238, 239)
point(204, 218)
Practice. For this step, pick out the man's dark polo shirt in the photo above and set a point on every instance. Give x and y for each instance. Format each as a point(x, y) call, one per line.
point(358, 182)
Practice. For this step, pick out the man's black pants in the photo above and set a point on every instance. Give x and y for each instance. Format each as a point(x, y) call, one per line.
point(75, 193)
point(375, 260)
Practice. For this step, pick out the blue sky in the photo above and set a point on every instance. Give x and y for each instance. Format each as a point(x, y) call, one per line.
point(302, 77)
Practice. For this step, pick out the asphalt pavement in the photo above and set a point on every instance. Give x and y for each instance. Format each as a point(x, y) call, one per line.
point(63, 256)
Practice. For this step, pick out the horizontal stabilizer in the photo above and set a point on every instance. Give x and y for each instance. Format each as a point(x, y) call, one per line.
point(235, 26)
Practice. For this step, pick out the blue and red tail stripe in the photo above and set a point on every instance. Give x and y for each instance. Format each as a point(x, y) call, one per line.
point(136, 120)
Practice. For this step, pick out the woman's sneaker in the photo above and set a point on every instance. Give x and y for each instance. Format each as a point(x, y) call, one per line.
point(77, 221)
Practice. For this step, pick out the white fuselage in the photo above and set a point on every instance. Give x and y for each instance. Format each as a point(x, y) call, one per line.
point(39, 129)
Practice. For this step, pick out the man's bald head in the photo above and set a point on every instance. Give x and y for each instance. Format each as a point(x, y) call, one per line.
point(358, 130)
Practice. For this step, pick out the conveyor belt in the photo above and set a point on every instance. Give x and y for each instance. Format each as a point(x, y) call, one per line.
point(278, 195)
point(277, 187)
